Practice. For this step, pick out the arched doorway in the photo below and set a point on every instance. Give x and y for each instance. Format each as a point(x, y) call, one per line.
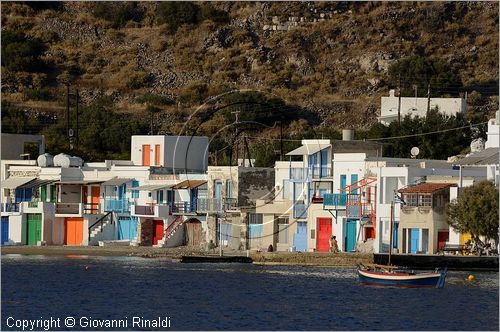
point(192, 232)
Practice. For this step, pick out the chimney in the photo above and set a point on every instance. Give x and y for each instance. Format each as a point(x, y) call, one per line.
point(347, 134)
point(392, 93)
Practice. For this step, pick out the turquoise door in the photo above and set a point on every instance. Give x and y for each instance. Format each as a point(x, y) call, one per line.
point(217, 189)
point(414, 237)
point(350, 235)
point(127, 228)
point(5, 229)
point(343, 181)
point(354, 179)
point(300, 237)
point(395, 235)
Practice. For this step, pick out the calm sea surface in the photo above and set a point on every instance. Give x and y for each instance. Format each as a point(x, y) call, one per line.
point(236, 296)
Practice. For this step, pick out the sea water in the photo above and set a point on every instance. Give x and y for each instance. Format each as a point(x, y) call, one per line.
point(103, 292)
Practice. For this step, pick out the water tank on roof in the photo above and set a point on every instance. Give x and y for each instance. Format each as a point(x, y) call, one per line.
point(347, 134)
point(45, 160)
point(64, 160)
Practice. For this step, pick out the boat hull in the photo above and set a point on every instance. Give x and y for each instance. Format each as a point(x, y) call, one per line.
point(375, 278)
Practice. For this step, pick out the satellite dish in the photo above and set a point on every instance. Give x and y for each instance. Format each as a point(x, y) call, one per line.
point(414, 151)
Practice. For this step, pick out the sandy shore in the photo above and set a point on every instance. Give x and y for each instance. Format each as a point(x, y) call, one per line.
point(273, 258)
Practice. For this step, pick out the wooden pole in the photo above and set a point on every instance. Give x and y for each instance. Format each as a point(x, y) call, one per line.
point(390, 233)
point(399, 101)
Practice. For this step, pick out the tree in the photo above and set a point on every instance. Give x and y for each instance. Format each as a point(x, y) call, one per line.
point(475, 211)
point(419, 71)
point(20, 53)
point(176, 13)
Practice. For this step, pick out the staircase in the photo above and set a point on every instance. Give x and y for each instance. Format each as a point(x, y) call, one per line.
point(96, 229)
point(170, 231)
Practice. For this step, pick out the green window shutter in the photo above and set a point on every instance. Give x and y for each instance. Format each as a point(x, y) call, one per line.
point(53, 194)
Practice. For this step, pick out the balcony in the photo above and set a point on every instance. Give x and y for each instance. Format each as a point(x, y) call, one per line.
point(334, 200)
point(231, 204)
point(183, 207)
point(298, 174)
point(69, 209)
point(116, 205)
point(11, 208)
point(300, 211)
point(319, 171)
point(37, 207)
point(209, 205)
point(151, 210)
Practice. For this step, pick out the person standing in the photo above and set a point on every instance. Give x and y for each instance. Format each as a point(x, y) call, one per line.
point(334, 246)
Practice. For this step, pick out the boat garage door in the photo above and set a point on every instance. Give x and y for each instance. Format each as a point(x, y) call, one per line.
point(5, 230)
point(193, 232)
point(34, 221)
point(158, 231)
point(324, 234)
point(73, 231)
point(127, 228)
point(300, 237)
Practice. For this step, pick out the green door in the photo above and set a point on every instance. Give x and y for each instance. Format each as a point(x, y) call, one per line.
point(53, 193)
point(43, 193)
point(34, 228)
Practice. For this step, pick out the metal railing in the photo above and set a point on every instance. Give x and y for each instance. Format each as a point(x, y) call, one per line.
point(67, 208)
point(91, 208)
point(100, 222)
point(209, 205)
point(173, 226)
point(298, 173)
point(319, 171)
point(145, 210)
point(335, 199)
point(116, 205)
point(33, 204)
point(10, 207)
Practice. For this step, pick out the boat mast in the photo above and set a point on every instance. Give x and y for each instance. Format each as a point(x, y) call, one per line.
point(390, 232)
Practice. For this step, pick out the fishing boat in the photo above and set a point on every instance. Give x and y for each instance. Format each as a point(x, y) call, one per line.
point(390, 275)
point(383, 275)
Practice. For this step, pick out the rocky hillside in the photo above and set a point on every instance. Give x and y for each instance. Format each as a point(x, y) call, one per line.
point(329, 59)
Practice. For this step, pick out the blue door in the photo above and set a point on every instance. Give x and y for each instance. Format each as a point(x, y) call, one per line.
point(300, 237)
point(121, 192)
point(414, 237)
point(350, 235)
point(343, 181)
point(194, 199)
point(127, 228)
point(225, 233)
point(354, 179)
point(395, 235)
point(5, 229)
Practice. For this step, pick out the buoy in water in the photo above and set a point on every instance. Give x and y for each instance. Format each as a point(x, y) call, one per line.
point(471, 277)
point(87, 267)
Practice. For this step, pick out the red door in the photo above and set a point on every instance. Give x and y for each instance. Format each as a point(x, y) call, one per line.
point(157, 231)
point(324, 234)
point(443, 237)
point(369, 233)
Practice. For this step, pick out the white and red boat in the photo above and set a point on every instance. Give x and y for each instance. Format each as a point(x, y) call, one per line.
point(382, 275)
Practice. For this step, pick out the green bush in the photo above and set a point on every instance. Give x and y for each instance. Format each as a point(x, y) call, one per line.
point(137, 80)
point(154, 99)
point(174, 14)
point(208, 12)
point(118, 13)
point(38, 94)
point(20, 53)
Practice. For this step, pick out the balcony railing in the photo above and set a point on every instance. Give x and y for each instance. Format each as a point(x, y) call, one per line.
point(91, 208)
point(230, 204)
point(297, 173)
point(145, 210)
point(10, 207)
point(116, 205)
point(335, 199)
point(319, 171)
point(182, 207)
point(300, 211)
point(209, 205)
point(68, 208)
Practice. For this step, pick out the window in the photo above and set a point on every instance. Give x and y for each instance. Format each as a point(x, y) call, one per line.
point(425, 200)
point(255, 218)
point(135, 193)
point(286, 189)
point(282, 230)
point(229, 189)
point(411, 199)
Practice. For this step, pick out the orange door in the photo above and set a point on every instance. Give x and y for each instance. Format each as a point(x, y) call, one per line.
point(157, 231)
point(74, 231)
point(324, 233)
point(95, 199)
point(157, 155)
point(146, 154)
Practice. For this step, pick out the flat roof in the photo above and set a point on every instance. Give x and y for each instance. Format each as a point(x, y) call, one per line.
point(489, 156)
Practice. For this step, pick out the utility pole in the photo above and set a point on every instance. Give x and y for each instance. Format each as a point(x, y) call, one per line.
point(399, 101)
point(428, 98)
point(77, 116)
point(248, 151)
point(67, 110)
point(281, 140)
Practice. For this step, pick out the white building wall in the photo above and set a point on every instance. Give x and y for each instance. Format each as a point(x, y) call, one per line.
point(493, 129)
point(417, 107)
